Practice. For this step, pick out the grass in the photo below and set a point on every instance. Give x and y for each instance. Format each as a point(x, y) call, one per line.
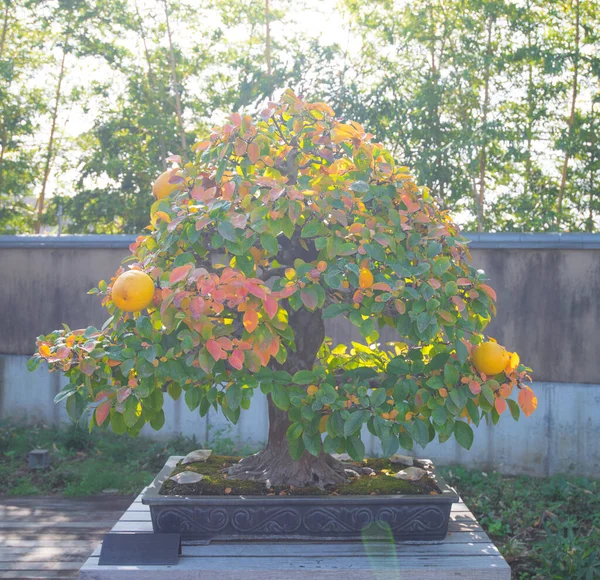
point(546, 528)
point(87, 464)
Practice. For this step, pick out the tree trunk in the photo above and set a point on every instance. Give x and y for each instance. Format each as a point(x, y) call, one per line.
point(530, 111)
point(50, 150)
point(571, 121)
point(482, 151)
point(273, 464)
point(151, 90)
point(178, 109)
point(268, 37)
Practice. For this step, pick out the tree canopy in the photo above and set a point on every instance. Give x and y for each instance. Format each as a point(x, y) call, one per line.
point(277, 224)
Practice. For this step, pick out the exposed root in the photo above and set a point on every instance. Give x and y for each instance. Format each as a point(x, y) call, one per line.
point(277, 469)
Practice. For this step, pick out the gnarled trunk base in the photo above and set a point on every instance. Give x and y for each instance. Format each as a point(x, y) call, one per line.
point(274, 465)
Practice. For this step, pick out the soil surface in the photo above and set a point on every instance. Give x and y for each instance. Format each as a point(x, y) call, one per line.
point(374, 478)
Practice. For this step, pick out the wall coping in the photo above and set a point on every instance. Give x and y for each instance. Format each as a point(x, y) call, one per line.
point(542, 241)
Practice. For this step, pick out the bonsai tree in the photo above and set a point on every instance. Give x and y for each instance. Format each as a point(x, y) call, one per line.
point(278, 224)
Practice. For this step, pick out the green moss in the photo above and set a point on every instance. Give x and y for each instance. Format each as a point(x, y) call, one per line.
point(216, 482)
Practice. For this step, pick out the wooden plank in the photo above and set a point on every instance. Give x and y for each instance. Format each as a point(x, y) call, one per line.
point(275, 568)
point(39, 575)
point(73, 542)
point(40, 565)
point(60, 553)
point(56, 524)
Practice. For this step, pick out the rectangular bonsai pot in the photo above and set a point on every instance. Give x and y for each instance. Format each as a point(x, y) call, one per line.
point(409, 518)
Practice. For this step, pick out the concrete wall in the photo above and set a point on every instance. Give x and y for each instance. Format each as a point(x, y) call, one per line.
point(560, 437)
point(548, 310)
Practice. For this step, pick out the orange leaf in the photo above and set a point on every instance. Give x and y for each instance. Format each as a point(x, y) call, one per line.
point(253, 152)
point(445, 315)
point(513, 362)
point(474, 387)
point(44, 350)
point(239, 147)
point(382, 286)
point(162, 215)
point(400, 306)
point(500, 405)
point(489, 291)
point(505, 390)
point(443, 392)
point(255, 289)
point(214, 348)
point(236, 359)
point(365, 279)
point(250, 320)
point(180, 273)
point(102, 412)
point(411, 206)
point(527, 401)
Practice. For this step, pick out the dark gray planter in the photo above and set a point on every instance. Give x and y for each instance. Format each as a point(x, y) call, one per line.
point(411, 519)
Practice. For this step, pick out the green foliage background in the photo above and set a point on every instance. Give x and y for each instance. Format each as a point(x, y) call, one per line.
point(493, 103)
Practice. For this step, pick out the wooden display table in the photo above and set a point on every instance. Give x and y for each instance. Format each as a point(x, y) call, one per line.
point(466, 553)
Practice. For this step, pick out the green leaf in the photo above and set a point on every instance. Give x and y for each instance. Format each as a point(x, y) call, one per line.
point(514, 409)
point(294, 431)
point(461, 352)
point(354, 422)
point(378, 397)
point(158, 420)
point(296, 447)
point(473, 411)
point(359, 186)
point(280, 397)
point(234, 396)
point(310, 297)
point(131, 411)
point(311, 229)
point(304, 377)
point(226, 229)
point(335, 309)
point(390, 445)
point(117, 422)
point(397, 366)
point(269, 243)
point(437, 362)
point(312, 443)
point(451, 375)
point(487, 392)
point(66, 392)
point(355, 448)
point(463, 434)
point(439, 415)
point(331, 444)
point(419, 431)
point(192, 398)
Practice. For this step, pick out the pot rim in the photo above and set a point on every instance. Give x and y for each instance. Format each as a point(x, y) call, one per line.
point(151, 496)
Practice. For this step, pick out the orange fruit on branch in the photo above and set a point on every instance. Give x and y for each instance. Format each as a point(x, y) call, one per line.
point(162, 188)
point(490, 358)
point(133, 291)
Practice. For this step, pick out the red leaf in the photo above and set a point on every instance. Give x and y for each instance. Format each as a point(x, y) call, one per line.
point(202, 194)
point(460, 303)
point(123, 393)
point(411, 206)
point(239, 220)
point(488, 290)
point(180, 273)
point(400, 306)
point(255, 289)
point(196, 307)
point(463, 282)
point(381, 286)
point(527, 401)
point(500, 405)
point(236, 119)
point(239, 147)
point(87, 367)
point(253, 152)
point(102, 412)
point(270, 306)
point(228, 189)
point(250, 320)
point(309, 298)
point(214, 348)
point(285, 292)
point(474, 387)
point(236, 359)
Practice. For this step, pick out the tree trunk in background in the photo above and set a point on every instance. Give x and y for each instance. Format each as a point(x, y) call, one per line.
point(50, 149)
point(484, 119)
point(274, 463)
point(530, 111)
point(178, 109)
point(268, 37)
point(571, 121)
point(3, 127)
point(151, 90)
